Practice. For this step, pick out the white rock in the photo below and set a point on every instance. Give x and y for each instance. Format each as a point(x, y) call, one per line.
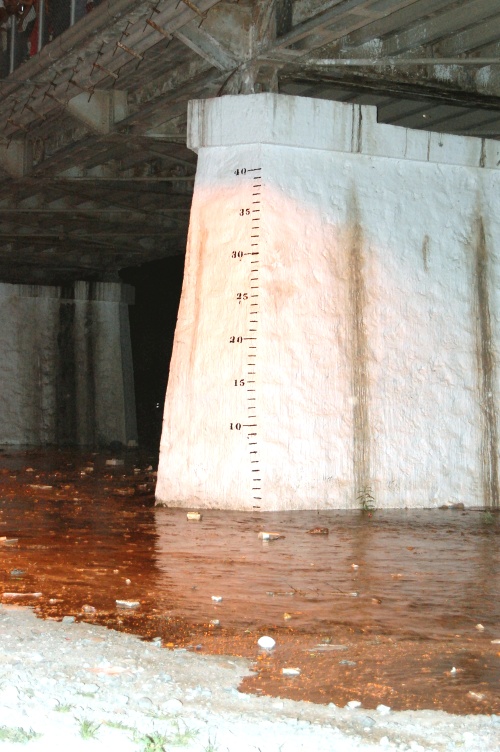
point(266, 642)
point(172, 706)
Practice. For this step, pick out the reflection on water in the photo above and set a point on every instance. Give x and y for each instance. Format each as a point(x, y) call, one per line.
point(417, 572)
point(401, 592)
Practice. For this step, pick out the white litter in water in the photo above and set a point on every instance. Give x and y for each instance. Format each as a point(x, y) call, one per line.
point(265, 642)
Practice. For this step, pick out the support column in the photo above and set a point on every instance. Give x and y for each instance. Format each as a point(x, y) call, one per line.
point(335, 345)
point(65, 365)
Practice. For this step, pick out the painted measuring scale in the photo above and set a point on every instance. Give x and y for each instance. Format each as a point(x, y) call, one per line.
point(250, 299)
point(215, 358)
point(259, 400)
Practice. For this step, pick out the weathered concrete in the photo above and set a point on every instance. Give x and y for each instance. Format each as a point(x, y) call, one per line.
point(65, 365)
point(354, 359)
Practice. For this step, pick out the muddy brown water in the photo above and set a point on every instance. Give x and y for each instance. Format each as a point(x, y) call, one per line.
point(392, 607)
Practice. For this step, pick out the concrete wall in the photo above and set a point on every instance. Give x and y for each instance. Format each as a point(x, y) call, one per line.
point(369, 354)
point(65, 365)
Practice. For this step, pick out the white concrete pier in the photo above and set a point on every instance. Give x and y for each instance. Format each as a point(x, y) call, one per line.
point(66, 365)
point(338, 334)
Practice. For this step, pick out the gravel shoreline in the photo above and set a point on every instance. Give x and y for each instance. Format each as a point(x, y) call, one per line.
point(84, 687)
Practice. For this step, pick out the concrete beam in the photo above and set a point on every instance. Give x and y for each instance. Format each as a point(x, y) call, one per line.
point(207, 46)
point(101, 110)
point(433, 29)
point(16, 157)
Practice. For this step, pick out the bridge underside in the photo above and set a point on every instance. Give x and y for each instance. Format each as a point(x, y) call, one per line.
point(95, 175)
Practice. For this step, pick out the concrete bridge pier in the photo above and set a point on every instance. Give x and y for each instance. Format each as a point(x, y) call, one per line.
point(66, 365)
point(338, 334)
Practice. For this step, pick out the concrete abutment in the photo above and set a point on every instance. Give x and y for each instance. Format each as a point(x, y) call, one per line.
point(66, 365)
point(338, 333)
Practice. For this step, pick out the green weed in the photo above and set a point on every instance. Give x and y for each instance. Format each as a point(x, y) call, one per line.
point(487, 518)
point(366, 500)
point(153, 742)
point(88, 729)
point(181, 738)
point(18, 735)
point(119, 725)
point(63, 708)
point(211, 746)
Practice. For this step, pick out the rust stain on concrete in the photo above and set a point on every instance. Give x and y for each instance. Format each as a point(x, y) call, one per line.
point(359, 355)
point(486, 372)
point(425, 252)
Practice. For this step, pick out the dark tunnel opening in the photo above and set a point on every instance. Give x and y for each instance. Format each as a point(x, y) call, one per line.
point(152, 324)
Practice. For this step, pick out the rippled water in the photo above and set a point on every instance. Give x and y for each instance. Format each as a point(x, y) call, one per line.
point(420, 575)
point(428, 572)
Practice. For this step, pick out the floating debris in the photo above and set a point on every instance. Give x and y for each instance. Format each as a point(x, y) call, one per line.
point(12, 596)
point(129, 491)
point(217, 598)
point(194, 516)
point(270, 536)
point(266, 642)
point(290, 671)
point(127, 604)
point(115, 462)
point(318, 531)
point(476, 695)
